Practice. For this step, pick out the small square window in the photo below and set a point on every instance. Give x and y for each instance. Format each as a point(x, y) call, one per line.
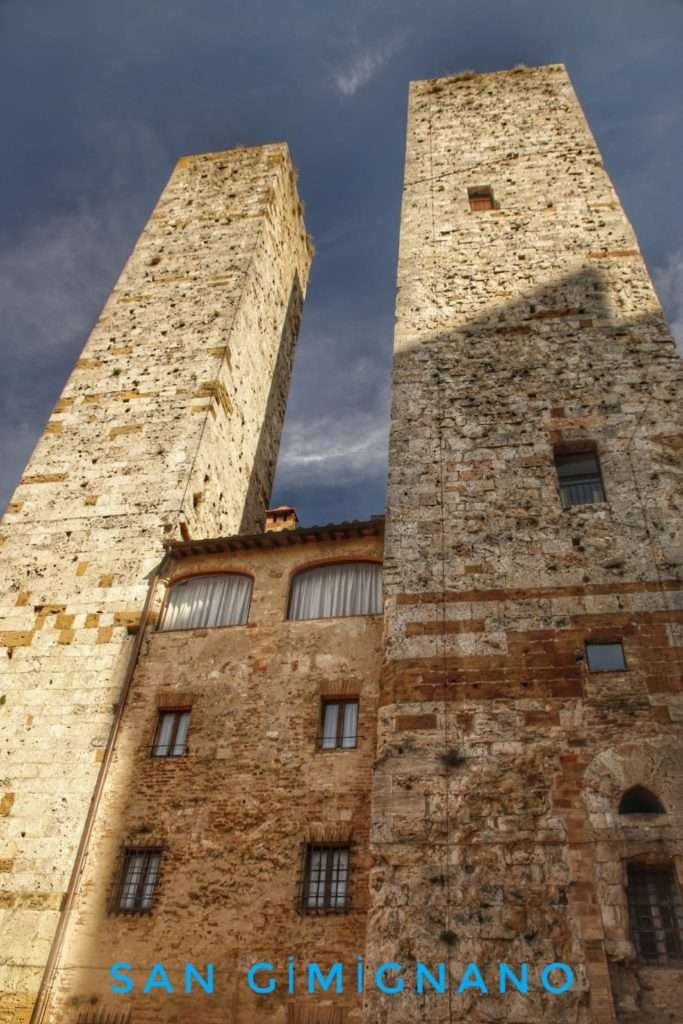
point(580, 478)
point(339, 724)
point(656, 913)
point(170, 739)
point(139, 879)
point(605, 657)
point(480, 199)
point(326, 878)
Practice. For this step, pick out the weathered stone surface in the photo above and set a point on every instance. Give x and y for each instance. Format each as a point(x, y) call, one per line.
point(172, 416)
point(522, 330)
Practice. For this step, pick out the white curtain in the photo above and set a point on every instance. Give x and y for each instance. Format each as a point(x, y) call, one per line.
point(166, 744)
point(330, 736)
point(221, 600)
point(345, 588)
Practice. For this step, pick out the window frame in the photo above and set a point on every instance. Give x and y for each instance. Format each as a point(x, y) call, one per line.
point(197, 576)
point(342, 702)
point(177, 711)
point(329, 847)
point(479, 193)
point(605, 643)
point(148, 853)
point(670, 902)
point(585, 450)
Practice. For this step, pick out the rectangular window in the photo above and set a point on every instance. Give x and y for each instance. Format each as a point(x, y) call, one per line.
point(656, 913)
point(171, 735)
point(138, 880)
point(480, 198)
point(580, 478)
point(605, 657)
point(326, 879)
point(339, 724)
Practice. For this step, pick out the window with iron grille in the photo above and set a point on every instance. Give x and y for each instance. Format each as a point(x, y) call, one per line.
point(104, 1016)
point(339, 724)
point(656, 913)
point(480, 199)
point(170, 739)
point(326, 878)
point(139, 879)
point(605, 657)
point(580, 478)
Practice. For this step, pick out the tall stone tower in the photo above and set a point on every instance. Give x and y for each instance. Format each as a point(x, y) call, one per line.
point(169, 425)
point(534, 632)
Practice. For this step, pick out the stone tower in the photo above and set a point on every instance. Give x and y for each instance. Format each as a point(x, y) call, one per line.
point(528, 332)
point(169, 425)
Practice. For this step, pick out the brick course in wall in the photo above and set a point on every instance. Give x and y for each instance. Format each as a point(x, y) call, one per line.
point(523, 330)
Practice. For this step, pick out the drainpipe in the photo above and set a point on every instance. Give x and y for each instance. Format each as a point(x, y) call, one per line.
point(40, 1005)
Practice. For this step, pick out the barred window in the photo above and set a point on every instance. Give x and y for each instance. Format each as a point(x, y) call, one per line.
point(326, 878)
point(656, 912)
point(339, 724)
point(221, 599)
point(103, 1015)
point(580, 478)
point(605, 657)
point(139, 879)
point(343, 588)
point(170, 739)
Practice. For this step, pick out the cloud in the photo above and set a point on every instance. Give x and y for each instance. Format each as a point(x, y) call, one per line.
point(325, 450)
point(365, 67)
point(47, 275)
point(669, 284)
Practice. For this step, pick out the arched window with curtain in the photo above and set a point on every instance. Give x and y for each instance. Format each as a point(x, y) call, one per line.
point(202, 601)
point(338, 589)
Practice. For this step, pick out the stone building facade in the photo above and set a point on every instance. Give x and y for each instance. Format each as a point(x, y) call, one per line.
point(168, 425)
point(234, 814)
point(528, 334)
point(515, 792)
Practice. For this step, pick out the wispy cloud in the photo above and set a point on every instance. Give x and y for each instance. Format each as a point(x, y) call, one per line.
point(364, 67)
point(669, 283)
point(358, 450)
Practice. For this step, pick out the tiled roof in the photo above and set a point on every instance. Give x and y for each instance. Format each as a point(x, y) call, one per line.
point(277, 539)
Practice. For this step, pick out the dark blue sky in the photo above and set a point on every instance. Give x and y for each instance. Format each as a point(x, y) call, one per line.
point(99, 99)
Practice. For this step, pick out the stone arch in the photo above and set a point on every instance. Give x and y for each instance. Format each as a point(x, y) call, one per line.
point(654, 764)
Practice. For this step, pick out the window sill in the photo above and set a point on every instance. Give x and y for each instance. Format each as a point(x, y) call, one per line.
point(201, 629)
point(340, 618)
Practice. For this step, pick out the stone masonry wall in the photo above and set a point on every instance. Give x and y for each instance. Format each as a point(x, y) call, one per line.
point(233, 813)
point(170, 418)
point(521, 330)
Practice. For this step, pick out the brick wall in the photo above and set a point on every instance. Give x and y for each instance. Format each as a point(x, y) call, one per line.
point(234, 813)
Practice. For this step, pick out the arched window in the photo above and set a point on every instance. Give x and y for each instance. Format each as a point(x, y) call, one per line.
point(219, 600)
point(343, 588)
point(638, 800)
